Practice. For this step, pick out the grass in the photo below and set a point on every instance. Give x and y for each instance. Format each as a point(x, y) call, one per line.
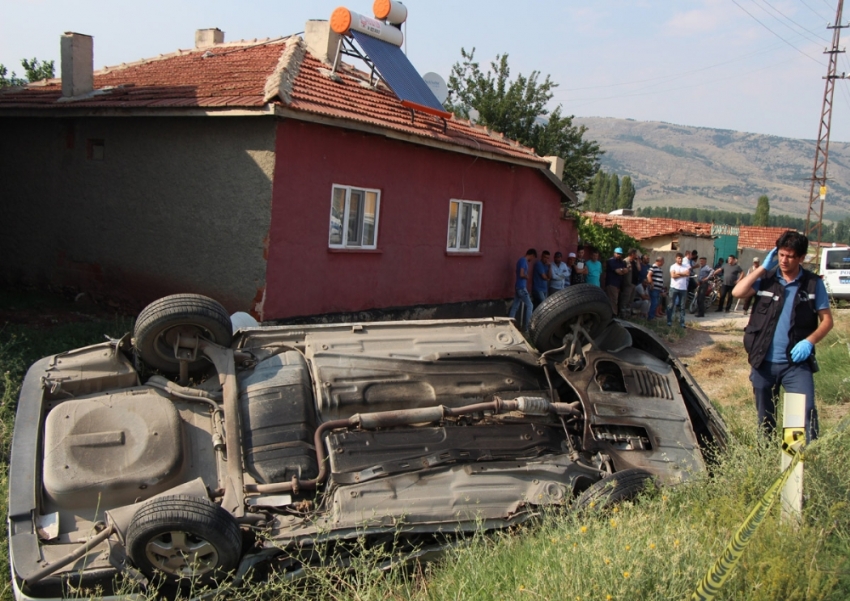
point(657, 548)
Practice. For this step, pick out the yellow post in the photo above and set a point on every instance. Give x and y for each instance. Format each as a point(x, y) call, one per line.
point(793, 432)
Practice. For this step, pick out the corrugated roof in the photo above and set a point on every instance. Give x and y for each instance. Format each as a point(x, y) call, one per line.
point(644, 228)
point(249, 75)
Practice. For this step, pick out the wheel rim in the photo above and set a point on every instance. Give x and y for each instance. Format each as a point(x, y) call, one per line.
point(182, 554)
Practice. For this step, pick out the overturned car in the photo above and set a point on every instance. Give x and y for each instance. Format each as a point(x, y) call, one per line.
point(191, 452)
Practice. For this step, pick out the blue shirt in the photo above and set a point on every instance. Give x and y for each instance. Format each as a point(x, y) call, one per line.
point(705, 272)
point(594, 272)
point(521, 265)
point(537, 282)
point(777, 351)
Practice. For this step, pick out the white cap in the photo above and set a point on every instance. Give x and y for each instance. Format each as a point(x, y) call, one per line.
point(573, 255)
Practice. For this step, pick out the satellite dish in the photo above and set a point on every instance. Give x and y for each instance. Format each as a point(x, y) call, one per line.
point(437, 85)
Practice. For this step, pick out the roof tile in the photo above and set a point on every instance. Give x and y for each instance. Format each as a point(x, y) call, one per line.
point(643, 228)
point(248, 75)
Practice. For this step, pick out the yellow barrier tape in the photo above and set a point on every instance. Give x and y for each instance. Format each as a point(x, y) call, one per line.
point(725, 564)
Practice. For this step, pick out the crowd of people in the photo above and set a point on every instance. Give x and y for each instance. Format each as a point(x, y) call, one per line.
point(625, 280)
point(633, 286)
point(790, 306)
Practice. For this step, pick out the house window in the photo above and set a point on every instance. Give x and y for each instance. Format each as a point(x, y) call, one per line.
point(354, 217)
point(94, 150)
point(464, 226)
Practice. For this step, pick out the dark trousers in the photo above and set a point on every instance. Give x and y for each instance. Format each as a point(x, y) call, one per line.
point(793, 377)
point(725, 294)
point(537, 297)
point(703, 288)
point(627, 293)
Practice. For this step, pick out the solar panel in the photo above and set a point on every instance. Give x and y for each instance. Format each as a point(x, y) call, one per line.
point(400, 75)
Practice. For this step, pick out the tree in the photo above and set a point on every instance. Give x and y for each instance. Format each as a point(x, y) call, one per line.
point(762, 216)
point(604, 239)
point(517, 109)
point(613, 193)
point(12, 80)
point(627, 193)
point(35, 70)
point(592, 198)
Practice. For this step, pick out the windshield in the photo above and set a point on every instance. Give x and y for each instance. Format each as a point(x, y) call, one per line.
point(838, 258)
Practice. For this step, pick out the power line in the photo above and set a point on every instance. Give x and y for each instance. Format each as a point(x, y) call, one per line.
point(669, 90)
point(817, 14)
point(674, 75)
point(776, 34)
point(790, 20)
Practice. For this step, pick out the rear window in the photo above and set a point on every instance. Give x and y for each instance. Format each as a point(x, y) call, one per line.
point(838, 258)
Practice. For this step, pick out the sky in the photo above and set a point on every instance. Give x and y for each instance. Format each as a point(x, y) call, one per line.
point(748, 65)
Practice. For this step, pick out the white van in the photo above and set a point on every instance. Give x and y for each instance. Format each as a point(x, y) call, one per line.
point(835, 270)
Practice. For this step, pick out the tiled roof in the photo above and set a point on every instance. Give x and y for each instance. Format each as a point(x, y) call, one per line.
point(644, 228)
point(249, 75)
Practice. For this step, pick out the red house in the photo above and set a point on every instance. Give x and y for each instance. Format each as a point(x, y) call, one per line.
point(255, 173)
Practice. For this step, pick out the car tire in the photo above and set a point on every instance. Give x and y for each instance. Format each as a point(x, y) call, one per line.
point(554, 317)
point(184, 538)
point(187, 314)
point(613, 489)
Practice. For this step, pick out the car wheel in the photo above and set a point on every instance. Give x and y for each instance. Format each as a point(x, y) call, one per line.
point(620, 486)
point(184, 538)
point(582, 305)
point(187, 315)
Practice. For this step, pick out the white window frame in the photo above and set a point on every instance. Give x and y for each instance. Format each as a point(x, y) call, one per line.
point(344, 242)
point(457, 245)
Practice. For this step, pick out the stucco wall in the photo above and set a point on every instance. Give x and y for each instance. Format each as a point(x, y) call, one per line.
point(411, 265)
point(175, 205)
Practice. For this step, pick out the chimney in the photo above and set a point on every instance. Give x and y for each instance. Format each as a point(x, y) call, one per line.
point(204, 38)
point(77, 64)
point(556, 166)
point(322, 42)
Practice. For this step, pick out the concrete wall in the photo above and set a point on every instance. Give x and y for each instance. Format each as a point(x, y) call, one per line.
point(136, 208)
point(411, 266)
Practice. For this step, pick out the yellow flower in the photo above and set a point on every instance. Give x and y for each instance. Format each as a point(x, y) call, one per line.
point(663, 497)
point(575, 545)
point(607, 561)
point(628, 547)
point(584, 529)
point(626, 574)
point(676, 543)
point(651, 545)
point(616, 510)
point(521, 587)
point(608, 597)
point(592, 504)
point(613, 523)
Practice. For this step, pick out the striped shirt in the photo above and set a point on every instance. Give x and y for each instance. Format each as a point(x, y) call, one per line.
point(657, 274)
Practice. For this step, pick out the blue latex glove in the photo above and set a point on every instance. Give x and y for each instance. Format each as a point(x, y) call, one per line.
point(771, 260)
point(801, 351)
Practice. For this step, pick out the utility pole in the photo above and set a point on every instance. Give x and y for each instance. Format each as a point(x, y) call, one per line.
point(814, 216)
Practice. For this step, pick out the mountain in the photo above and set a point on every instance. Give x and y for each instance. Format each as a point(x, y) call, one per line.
point(680, 165)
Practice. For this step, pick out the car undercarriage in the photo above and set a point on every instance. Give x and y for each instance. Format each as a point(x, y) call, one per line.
point(192, 452)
